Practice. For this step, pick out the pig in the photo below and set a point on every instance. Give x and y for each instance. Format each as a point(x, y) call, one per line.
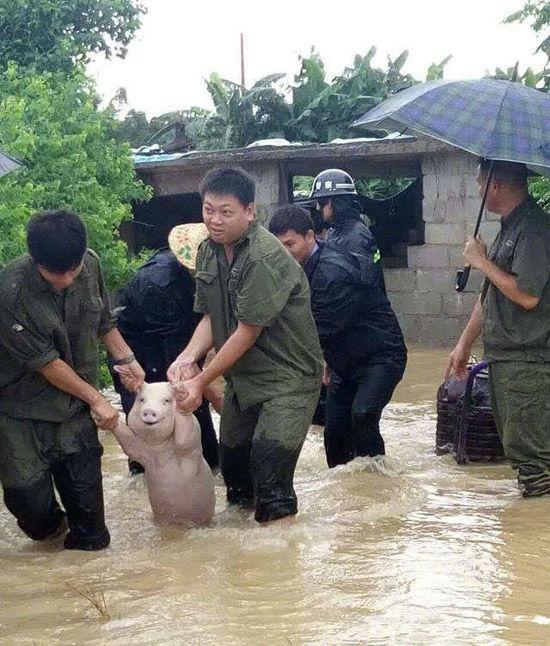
point(168, 444)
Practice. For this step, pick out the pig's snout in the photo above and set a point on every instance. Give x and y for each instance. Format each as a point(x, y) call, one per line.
point(149, 416)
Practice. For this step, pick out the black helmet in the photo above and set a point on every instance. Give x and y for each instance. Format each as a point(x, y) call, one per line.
point(332, 182)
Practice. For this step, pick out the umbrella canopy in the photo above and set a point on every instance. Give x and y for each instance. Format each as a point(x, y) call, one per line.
point(499, 120)
point(7, 164)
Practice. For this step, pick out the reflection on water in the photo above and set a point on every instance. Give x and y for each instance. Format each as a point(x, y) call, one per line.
point(419, 551)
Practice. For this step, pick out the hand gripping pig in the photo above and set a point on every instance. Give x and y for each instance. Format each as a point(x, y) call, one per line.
point(168, 444)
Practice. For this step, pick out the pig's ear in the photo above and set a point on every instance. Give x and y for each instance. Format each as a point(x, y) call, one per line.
point(141, 387)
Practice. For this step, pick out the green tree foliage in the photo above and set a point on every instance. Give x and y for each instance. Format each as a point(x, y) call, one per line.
point(539, 80)
point(54, 35)
point(71, 160)
point(437, 70)
point(134, 129)
point(323, 111)
point(242, 116)
point(312, 109)
point(537, 13)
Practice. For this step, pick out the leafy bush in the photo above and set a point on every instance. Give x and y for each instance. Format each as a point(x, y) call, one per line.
point(51, 121)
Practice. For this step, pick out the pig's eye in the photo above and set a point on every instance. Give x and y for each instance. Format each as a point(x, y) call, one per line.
point(142, 399)
point(168, 400)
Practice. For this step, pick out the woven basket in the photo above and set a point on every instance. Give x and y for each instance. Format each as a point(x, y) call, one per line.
point(465, 425)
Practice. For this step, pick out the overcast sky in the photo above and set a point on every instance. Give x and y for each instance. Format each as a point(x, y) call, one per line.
point(182, 43)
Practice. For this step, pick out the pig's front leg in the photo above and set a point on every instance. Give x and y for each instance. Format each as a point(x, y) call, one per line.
point(187, 434)
point(133, 446)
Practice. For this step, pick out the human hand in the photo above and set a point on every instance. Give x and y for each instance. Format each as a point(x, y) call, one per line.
point(475, 252)
point(188, 396)
point(132, 376)
point(457, 362)
point(326, 375)
point(183, 368)
point(104, 414)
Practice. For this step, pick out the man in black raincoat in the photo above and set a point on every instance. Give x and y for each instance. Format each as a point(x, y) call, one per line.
point(337, 202)
point(360, 336)
point(156, 318)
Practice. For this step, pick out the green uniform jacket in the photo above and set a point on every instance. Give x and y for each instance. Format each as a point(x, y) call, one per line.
point(39, 324)
point(522, 248)
point(263, 286)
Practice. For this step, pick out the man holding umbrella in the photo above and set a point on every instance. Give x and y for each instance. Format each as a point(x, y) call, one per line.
point(513, 313)
point(506, 122)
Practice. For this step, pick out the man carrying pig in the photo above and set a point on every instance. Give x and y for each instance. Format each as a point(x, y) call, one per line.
point(255, 303)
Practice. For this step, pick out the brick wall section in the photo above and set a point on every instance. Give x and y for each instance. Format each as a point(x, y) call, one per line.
point(431, 312)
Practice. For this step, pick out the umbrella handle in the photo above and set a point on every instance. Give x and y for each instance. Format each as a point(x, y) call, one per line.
point(462, 276)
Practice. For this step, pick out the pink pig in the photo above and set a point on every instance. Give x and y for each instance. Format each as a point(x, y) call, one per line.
point(168, 444)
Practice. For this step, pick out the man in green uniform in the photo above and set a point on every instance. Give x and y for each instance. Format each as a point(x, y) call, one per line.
point(255, 303)
point(53, 307)
point(513, 312)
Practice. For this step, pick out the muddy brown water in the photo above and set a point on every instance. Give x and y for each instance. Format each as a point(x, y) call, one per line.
point(421, 552)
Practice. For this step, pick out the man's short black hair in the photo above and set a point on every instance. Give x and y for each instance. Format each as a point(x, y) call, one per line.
point(509, 173)
point(290, 217)
point(56, 240)
point(229, 181)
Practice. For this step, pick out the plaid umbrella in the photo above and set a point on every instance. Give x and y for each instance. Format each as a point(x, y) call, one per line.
point(499, 120)
point(7, 164)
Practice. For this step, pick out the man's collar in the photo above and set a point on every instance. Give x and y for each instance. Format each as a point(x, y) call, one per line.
point(246, 235)
point(238, 243)
point(312, 260)
point(515, 214)
point(315, 248)
point(40, 284)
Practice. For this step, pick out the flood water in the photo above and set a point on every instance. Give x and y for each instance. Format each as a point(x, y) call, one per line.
point(421, 552)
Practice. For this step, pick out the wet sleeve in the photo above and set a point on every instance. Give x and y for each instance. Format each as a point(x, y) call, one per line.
point(264, 292)
point(333, 307)
point(107, 319)
point(200, 305)
point(163, 307)
point(531, 264)
point(24, 341)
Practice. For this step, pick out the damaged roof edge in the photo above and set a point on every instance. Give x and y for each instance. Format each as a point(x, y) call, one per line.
point(382, 148)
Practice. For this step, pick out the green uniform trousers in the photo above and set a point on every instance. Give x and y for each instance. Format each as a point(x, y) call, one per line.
point(520, 397)
point(35, 456)
point(259, 449)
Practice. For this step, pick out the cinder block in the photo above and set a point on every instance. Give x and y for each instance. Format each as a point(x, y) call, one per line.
point(433, 208)
point(441, 330)
point(445, 233)
point(423, 304)
point(428, 256)
point(410, 325)
point(459, 305)
point(456, 257)
point(440, 281)
point(455, 163)
point(400, 280)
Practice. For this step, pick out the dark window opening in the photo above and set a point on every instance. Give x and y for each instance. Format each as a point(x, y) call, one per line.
point(393, 210)
point(153, 220)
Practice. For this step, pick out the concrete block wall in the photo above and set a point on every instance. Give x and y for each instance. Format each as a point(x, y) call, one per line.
point(423, 296)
